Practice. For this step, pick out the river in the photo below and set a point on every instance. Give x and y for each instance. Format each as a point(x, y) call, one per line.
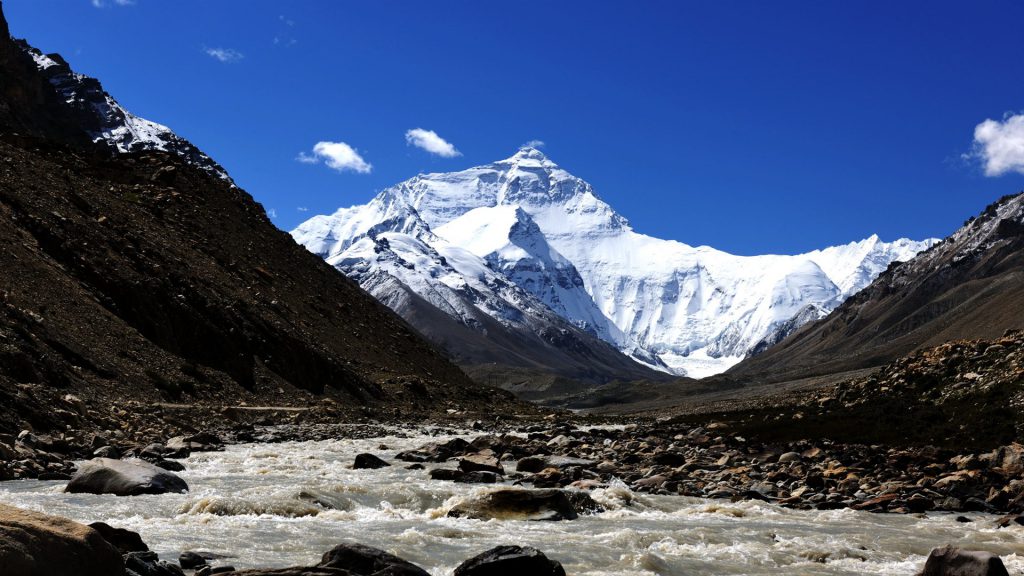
point(253, 502)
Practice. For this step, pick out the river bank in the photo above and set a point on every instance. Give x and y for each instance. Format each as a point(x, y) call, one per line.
point(282, 501)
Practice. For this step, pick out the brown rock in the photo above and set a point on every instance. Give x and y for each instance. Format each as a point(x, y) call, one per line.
point(952, 561)
point(35, 544)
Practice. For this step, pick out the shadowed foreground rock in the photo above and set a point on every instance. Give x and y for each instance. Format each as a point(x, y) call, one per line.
point(952, 561)
point(34, 544)
point(349, 560)
point(125, 541)
point(124, 478)
point(510, 561)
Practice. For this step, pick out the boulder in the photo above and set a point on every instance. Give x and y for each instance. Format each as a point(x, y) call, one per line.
point(349, 560)
point(191, 560)
point(952, 561)
point(435, 452)
point(532, 464)
point(518, 504)
point(447, 474)
point(149, 564)
point(124, 540)
point(35, 544)
point(202, 442)
point(366, 561)
point(481, 463)
point(172, 465)
point(366, 461)
point(107, 452)
point(510, 561)
point(1009, 459)
point(124, 478)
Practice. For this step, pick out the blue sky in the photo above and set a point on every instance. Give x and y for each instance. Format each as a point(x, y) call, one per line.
point(753, 127)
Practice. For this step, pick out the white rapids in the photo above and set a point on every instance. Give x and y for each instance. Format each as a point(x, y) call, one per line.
point(256, 503)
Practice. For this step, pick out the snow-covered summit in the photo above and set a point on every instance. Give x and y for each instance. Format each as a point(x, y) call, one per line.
point(695, 309)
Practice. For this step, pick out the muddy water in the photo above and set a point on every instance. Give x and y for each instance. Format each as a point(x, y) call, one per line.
point(285, 504)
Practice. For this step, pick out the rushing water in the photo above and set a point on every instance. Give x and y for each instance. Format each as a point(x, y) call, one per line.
point(254, 502)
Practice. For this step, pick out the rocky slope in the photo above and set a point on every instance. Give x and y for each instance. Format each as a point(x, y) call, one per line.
point(135, 271)
point(967, 286)
point(963, 393)
point(538, 228)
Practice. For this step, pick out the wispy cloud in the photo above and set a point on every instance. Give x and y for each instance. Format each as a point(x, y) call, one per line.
point(105, 3)
point(337, 156)
point(999, 145)
point(429, 140)
point(226, 55)
point(302, 209)
point(272, 213)
point(533, 144)
point(284, 36)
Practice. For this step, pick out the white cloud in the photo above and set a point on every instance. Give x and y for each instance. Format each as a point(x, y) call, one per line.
point(302, 209)
point(105, 3)
point(272, 213)
point(1000, 145)
point(533, 144)
point(226, 55)
point(307, 158)
point(429, 140)
point(337, 155)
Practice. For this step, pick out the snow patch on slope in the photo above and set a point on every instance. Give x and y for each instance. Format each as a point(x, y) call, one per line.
point(109, 123)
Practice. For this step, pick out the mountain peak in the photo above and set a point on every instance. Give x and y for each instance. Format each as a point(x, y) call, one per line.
point(529, 153)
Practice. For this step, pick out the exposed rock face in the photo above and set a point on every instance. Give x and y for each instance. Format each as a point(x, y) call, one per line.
point(952, 561)
point(34, 544)
point(124, 478)
point(510, 561)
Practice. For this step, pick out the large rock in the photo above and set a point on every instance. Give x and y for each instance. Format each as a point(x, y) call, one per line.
point(516, 504)
point(124, 478)
point(367, 561)
point(1010, 459)
point(952, 561)
point(35, 544)
point(125, 541)
point(481, 462)
point(435, 451)
point(349, 560)
point(367, 461)
point(510, 561)
point(149, 564)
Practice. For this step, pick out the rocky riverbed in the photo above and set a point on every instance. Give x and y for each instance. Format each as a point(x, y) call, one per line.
point(282, 501)
point(708, 461)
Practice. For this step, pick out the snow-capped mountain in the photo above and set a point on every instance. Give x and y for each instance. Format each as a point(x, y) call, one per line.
point(526, 221)
point(107, 122)
point(968, 286)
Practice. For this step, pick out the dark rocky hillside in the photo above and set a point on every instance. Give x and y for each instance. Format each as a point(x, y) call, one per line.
point(143, 277)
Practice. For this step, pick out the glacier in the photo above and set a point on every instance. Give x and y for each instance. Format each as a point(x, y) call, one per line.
point(525, 237)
